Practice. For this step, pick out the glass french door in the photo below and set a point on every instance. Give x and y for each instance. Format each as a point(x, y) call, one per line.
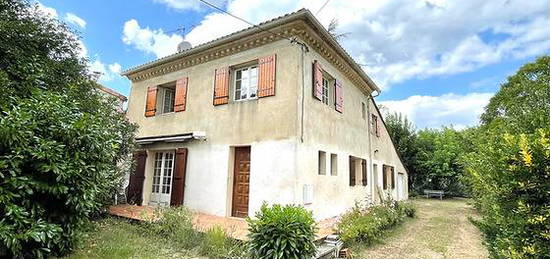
point(162, 179)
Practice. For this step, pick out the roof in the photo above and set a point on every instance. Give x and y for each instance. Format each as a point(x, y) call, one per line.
point(302, 14)
point(112, 92)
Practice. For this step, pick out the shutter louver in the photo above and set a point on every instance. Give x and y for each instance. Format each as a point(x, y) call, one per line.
point(317, 80)
point(338, 96)
point(151, 103)
point(181, 94)
point(266, 76)
point(221, 86)
point(135, 187)
point(178, 178)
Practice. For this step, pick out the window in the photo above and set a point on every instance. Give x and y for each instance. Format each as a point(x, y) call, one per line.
point(168, 100)
point(162, 173)
point(351, 171)
point(388, 173)
point(374, 125)
point(322, 162)
point(246, 83)
point(364, 172)
point(325, 94)
point(333, 164)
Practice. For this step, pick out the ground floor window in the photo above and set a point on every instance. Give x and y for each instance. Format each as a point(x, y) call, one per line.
point(322, 162)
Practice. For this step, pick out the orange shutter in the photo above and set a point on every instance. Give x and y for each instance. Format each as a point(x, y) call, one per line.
point(338, 96)
point(151, 104)
point(317, 80)
point(266, 76)
point(181, 94)
point(221, 86)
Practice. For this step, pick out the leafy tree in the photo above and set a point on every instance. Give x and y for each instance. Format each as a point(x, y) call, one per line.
point(522, 104)
point(60, 139)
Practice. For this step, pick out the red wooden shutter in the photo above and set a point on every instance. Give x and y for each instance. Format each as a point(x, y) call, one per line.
point(221, 86)
point(317, 80)
point(338, 96)
point(135, 187)
point(151, 104)
point(266, 76)
point(181, 94)
point(178, 178)
point(385, 177)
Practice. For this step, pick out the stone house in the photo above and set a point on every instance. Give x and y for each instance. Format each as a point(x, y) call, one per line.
point(276, 113)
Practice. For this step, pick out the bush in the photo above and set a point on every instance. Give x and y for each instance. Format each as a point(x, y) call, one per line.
point(364, 224)
point(176, 224)
point(60, 140)
point(282, 232)
point(510, 183)
point(217, 244)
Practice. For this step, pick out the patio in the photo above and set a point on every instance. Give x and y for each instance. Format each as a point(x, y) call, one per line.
point(235, 227)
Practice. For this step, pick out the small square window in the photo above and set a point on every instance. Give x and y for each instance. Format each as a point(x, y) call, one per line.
point(322, 162)
point(245, 83)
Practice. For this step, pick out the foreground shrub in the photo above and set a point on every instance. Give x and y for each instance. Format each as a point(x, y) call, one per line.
point(217, 244)
point(510, 178)
point(282, 232)
point(364, 224)
point(175, 224)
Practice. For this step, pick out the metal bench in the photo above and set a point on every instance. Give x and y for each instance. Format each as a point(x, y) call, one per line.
point(434, 193)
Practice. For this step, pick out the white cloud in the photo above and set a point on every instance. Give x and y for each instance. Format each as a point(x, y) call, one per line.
point(436, 111)
point(106, 73)
point(74, 19)
point(402, 39)
point(47, 10)
point(150, 41)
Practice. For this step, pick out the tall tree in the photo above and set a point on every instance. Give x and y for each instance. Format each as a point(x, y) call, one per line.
point(521, 105)
point(60, 139)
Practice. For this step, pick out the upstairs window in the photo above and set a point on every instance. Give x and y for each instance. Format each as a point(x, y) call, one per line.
point(168, 100)
point(325, 94)
point(322, 162)
point(246, 83)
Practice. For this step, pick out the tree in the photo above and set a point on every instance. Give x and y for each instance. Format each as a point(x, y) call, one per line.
point(522, 103)
point(60, 139)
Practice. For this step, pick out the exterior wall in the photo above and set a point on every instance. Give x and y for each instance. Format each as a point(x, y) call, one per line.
point(345, 134)
point(384, 152)
point(267, 124)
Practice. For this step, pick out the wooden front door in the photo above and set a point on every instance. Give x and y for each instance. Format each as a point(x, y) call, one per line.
point(241, 179)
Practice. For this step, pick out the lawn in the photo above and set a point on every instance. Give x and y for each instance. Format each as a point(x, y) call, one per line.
point(440, 230)
point(119, 238)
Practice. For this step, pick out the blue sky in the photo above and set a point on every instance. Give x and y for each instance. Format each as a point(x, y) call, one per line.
point(437, 61)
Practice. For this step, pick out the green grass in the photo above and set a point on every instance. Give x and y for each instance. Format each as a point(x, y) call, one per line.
point(118, 238)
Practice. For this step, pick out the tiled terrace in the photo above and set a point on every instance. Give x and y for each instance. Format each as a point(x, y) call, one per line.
point(235, 227)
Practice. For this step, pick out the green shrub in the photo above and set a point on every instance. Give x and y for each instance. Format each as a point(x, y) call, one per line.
point(217, 244)
point(364, 224)
point(176, 224)
point(282, 232)
point(510, 182)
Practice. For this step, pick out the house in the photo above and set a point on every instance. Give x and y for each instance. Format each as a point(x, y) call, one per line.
point(119, 98)
point(276, 113)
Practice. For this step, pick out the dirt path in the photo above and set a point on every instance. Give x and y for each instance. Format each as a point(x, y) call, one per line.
point(441, 230)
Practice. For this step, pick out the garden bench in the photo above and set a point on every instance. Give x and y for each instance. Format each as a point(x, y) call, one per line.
point(434, 193)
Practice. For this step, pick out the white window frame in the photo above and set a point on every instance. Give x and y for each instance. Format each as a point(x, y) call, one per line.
point(325, 90)
point(248, 83)
point(168, 104)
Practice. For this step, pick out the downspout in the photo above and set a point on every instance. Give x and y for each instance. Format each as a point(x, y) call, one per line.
point(369, 133)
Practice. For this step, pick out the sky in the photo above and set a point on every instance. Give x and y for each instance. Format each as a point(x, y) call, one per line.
point(436, 61)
